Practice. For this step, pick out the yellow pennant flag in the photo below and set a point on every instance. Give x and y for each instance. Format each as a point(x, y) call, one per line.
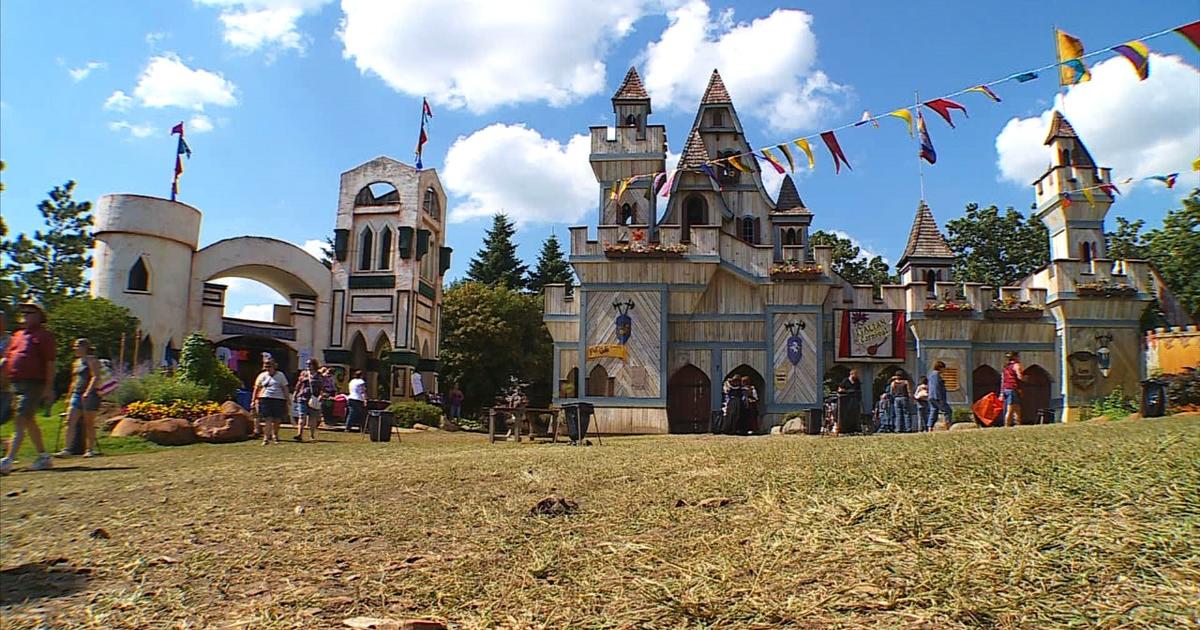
point(1087, 194)
point(737, 163)
point(803, 144)
point(787, 153)
point(621, 188)
point(1196, 165)
point(906, 116)
point(1070, 55)
point(612, 194)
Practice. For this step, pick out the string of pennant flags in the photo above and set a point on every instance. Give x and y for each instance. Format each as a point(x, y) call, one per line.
point(1071, 64)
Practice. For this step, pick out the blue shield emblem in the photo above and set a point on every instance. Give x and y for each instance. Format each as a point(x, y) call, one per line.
point(624, 328)
point(795, 349)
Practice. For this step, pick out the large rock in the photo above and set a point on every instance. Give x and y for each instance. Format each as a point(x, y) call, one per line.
point(108, 424)
point(170, 432)
point(129, 427)
point(230, 408)
point(219, 427)
point(795, 426)
point(448, 425)
point(963, 426)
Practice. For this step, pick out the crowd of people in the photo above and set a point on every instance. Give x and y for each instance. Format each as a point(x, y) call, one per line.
point(739, 407)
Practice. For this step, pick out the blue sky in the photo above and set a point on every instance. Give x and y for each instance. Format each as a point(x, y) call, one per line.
point(281, 96)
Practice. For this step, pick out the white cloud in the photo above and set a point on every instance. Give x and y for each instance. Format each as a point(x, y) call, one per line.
point(249, 299)
point(771, 179)
point(513, 169)
point(1139, 128)
point(119, 101)
point(315, 248)
point(251, 25)
point(768, 64)
point(479, 55)
point(153, 39)
point(140, 130)
point(168, 82)
point(199, 123)
point(81, 73)
point(256, 312)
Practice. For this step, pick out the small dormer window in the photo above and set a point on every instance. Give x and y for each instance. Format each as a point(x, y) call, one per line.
point(1085, 252)
point(1065, 157)
point(626, 214)
point(430, 203)
point(717, 119)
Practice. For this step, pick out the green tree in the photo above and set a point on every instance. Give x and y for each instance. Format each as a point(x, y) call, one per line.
point(99, 320)
point(850, 263)
point(497, 263)
point(996, 249)
point(490, 336)
point(1175, 251)
point(49, 267)
point(1127, 242)
point(327, 252)
point(552, 267)
point(198, 365)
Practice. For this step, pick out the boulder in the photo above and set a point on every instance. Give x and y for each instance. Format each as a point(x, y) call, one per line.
point(230, 408)
point(423, 427)
point(448, 425)
point(108, 424)
point(128, 427)
point(219, 428)
point(795, 426)
point(963, 426)
point(170, 432)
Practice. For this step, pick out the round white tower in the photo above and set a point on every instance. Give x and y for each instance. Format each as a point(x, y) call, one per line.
point(143, 261)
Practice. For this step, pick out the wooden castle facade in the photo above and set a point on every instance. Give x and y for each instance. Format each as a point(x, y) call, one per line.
point(683, 288)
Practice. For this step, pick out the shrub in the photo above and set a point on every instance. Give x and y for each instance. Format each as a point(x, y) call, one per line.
point(224, 384)
point(1183, 390)
point(130, 390)
point(164, 389)
point(1116, 405)
point(409, 413)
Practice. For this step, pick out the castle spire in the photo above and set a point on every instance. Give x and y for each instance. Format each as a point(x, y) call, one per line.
point(715, 92)
point(925, 240)
point(789, 198)
point(631, 88)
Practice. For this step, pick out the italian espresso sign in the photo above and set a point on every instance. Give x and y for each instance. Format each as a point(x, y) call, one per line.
point(871, 336)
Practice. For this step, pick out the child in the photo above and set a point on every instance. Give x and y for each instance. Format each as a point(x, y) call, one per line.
point(883, 414)
point(922, 396)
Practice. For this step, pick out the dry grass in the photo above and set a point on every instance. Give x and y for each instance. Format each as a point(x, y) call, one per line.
point(1093, 525)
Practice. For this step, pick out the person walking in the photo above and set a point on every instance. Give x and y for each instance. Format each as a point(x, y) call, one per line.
point(418, 387)
point(1010, 389)
point(28, 365)
point(901, 390)
point(938, 402)
point(308, 397)
point(356, 401)
point(883, 414)
point(922, 398)
point(270, 400)
point(85, 399)
point(750, 393)
point(455, 398)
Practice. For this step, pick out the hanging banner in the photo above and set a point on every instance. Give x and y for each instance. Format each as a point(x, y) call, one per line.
point(607, 351)
point(871, 335)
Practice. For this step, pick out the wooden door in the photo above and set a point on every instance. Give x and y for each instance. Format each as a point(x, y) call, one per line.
point(1035, 393)
point(689, 405)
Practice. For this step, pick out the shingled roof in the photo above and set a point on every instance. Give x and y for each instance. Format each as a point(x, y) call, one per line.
point(631, 88)
point(789, 198)
point(925, 240)
point(694, 154)
point(715, 92)
point(1060, 127)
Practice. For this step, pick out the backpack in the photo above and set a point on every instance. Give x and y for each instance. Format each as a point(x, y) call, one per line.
point(106, 379)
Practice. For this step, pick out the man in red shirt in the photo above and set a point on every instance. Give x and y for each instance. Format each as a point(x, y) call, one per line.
point(29, 365)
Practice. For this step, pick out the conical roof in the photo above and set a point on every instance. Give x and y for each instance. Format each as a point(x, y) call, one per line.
point(715, 92)
point(694, 154)
point(1060, 127)
point(789, 198)
point(631, 88)
point(925, 240)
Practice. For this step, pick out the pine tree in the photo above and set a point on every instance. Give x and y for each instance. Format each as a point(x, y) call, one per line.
point(552, 267)
point(497, 264)
point(49, 267)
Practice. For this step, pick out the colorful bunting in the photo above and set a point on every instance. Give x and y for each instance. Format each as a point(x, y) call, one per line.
point(836, 151)
point(1191, 32)
point(712, 176)
point(927, 152)
point(803, 145)
point(181, 149)
point(906, 116)
point(1111, 189)
point(1024, 77)
point(1091, 199)
point(1168, 179)
point(1138, 55)
point(986, 91)
point(787, 154)
point(666, 189)
point(770, 157)
point(867, 118)
point(739, 165)
point(943, 106)
point(1071, 70)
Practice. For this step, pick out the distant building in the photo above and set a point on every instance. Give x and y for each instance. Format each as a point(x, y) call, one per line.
point(721, 280)
point(377, 309)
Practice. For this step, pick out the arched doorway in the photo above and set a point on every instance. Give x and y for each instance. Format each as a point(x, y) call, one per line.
point(744, 371)
point(1035, 393)
point(689, 402)
point(244, 356)
point(984, 381)
point(382, 358)
point(358, 360)
point(882, 379)
point(695, 212)
point(599, 383)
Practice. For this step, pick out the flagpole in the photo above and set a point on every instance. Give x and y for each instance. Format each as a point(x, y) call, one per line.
point(1058, 68)
point(920, 167)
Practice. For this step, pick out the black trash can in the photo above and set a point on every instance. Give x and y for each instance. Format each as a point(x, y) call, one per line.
point(849, 414)
point(379, 425)
point(1154, 398)
point(812, 424)
point(579, 417)
point(1045, 416)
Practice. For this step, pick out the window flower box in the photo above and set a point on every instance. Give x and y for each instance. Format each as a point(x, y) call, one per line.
point(1105, 289)
point(1010, 308)
point(642, 249)
point(949, 309)
point(795, 270)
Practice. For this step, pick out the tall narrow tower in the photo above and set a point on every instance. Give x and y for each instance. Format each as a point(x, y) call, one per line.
point(630, 147)
point(927, 258)
point(1076, 224)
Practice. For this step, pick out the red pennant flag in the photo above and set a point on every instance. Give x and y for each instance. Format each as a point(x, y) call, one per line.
point(943, 106)
point(1066, 200)
point(1191, 32)
point(836, 151)
point(425, 111)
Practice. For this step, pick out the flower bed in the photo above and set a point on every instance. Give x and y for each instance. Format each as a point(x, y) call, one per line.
point(1105, 289)
point(794, 270)
point(143, 410)
point(1010, 308)
point(949, 309)
point(641, 249)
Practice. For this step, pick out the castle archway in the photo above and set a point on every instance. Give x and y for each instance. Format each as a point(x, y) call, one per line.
point(689, 401)
point(1035, 393)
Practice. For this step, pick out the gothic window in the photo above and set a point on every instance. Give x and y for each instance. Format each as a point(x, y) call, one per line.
point(631, 120)
point(789, 236)
point(1085, 252)
point(727, 174)
point(749, 230)
point(431, 203)
point(931, 278)
point(1065, 157)
point(599, 383)
point(626, 214)
point(695, 212)
point(385, 249)
point(366, 245)
point(139, 277)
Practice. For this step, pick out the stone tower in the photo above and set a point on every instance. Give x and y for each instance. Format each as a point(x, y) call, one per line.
point(630, 147)
point(926, 258)
point(1076, 223)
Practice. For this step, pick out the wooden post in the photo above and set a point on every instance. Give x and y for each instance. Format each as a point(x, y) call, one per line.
point(491, 412)
point(121, 353)
point(137, 343)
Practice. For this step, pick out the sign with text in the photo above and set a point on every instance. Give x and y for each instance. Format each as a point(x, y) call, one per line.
point(607, 351)
point(871, 335)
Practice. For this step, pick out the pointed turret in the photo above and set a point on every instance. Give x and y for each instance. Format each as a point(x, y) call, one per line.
point(630, 147)
point(1071, 151)
point(789, 199)
point(694, 154)
point(715, 92)
point(631, 88)
point(1073, 195)
point(926, 258)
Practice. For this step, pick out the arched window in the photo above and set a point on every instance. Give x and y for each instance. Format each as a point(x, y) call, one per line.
point(626, 214)
point(789, 236)
point(1085, 252)
point(1065, 156)
point(139, 277)
point(598, 382)
point(385, 249)
point(749, 230)
point(366, 245)
point(631, 120)
point(377, 194)
point(431, 203)
point(930, 279)
point(695, 212)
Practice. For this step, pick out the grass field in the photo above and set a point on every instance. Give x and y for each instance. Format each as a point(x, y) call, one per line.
point(1089, 525)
